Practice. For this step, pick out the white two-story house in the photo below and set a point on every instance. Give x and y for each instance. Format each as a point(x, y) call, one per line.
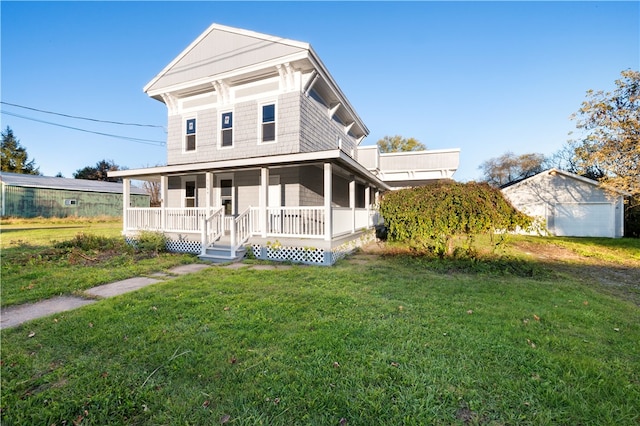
point(263, 152)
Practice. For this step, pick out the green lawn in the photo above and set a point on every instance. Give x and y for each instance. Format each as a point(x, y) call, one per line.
point(373, 340)
point(41, 232)
point(35, 267)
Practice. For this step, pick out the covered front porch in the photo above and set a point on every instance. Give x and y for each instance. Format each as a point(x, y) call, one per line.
point(235, 209)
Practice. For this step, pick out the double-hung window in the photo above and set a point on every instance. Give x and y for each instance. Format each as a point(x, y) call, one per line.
point(190, 135)
point(268, 123)
point(227, 130)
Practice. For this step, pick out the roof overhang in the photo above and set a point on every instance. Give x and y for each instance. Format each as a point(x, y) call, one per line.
point(336, 156)
point(302, 57)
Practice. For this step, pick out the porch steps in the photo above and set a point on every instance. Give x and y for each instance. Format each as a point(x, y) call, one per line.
point(220, 252)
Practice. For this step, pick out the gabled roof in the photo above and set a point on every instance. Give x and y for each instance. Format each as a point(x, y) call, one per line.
point(234, 55)
point(48, 182)
point(554, 171)
point(221, 50)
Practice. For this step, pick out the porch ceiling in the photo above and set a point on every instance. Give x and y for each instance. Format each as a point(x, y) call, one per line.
point(333, 156)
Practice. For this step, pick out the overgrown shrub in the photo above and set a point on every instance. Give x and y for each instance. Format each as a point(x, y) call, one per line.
point(91, 242)
point(430, 217)
point(150, 242)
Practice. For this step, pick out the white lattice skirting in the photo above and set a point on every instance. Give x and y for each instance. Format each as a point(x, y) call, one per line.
point(309, 255)
point(175, 246)
point(280, 253)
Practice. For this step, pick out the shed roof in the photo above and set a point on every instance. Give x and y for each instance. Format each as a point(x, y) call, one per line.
point(48, 182)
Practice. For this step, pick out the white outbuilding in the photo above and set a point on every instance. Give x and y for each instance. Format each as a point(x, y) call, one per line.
point(570, 205)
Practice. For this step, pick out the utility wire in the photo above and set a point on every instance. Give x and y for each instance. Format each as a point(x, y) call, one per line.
point(138, 140)
point(83, 118)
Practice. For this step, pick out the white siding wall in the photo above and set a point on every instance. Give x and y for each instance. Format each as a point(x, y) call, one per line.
point(546, 195)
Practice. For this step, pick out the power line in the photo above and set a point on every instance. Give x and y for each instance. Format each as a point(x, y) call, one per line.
point(83, 118)
point(128, 138)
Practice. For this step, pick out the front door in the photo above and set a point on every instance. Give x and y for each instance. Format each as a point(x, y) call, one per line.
point(226, 193)
point(190, 193)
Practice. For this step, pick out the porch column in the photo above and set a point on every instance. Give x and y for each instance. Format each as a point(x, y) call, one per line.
point(126, 202)
point(264, 200)
point(367, 204)
point(376, 201)
point(164, 195)
point(352, 202)
point(328, 195)
point(208, 191)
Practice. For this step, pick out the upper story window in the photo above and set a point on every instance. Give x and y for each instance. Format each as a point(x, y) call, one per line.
point(227, 130)
point(269, 123)
point(190, 135)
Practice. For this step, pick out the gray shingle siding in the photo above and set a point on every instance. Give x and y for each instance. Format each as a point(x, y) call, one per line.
point(318, 132)
point(302, 125)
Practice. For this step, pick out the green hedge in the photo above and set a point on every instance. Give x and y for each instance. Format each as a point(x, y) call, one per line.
point(430, 217)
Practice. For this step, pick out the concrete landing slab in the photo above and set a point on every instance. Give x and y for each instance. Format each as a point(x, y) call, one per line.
point(270, 267)
point(235, 266)
point(15, 315)
point(121, 287)
point(188, 269)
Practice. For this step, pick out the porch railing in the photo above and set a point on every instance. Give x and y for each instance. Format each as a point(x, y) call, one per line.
point(297, 222)
point(240, 230)
point(212, 228)
point(294, 222)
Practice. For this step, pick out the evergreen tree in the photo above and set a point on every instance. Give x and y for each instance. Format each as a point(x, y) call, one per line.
point(14, 156)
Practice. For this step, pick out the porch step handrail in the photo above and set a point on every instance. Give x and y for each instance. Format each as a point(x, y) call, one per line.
point(212, 228)
point(241, 230)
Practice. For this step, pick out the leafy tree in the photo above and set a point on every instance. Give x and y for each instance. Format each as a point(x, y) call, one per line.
point(98, 172)
point(399, 144)
point(153, 189)
point(610, 143)
point(565, 159)
point(14, 157)
point(510, 168)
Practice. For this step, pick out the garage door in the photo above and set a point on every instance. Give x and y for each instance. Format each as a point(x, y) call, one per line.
point(584, 220)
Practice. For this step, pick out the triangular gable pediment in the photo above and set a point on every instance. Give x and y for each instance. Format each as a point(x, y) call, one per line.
point(221, 50)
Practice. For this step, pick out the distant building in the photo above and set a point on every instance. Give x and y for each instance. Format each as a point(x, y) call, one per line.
point(42, 196)
point(569, 205)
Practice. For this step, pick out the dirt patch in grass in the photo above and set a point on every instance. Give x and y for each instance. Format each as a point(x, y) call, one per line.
point(621, 279)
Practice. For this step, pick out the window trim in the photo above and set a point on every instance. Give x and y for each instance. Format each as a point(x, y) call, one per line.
point(261, 122)
point(185, 133)
point(221, 132)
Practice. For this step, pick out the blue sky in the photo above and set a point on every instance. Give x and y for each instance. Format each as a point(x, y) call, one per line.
point(485, 77)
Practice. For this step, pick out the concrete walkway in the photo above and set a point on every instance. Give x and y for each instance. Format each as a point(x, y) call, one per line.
point(16, 315)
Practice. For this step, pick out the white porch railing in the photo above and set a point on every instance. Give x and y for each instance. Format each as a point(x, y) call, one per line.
point(212, 228)
point(168, 220)
point(184, 219)
point(294, 222)
point(143, 219)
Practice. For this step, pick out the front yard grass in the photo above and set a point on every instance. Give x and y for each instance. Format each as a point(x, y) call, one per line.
point(39, 259)
point(373, 340)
